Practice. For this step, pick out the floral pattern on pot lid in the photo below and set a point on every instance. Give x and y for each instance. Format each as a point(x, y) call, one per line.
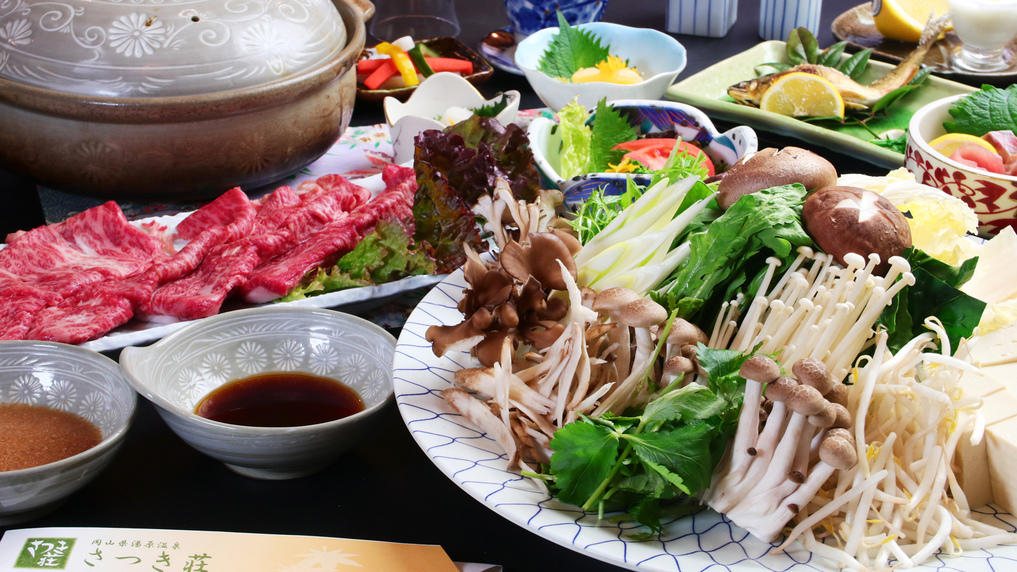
point(152, 48)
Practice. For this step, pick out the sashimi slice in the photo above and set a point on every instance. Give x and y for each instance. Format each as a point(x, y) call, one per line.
point(1004, 141)
point(979, 158)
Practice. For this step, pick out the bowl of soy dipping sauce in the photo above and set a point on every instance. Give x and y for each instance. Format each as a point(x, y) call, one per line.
point(275, 392)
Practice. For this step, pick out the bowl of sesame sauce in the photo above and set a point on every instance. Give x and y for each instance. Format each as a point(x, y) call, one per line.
point(64, 413)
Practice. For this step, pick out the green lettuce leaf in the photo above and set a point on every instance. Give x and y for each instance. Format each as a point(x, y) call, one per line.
point(576, 135)
point(384, 255)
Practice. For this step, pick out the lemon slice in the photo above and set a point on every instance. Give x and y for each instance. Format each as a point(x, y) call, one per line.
point(946, 144)
point(904, 19)
point(801, 94)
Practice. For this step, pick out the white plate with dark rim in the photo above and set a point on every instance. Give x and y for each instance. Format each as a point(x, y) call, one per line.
point(701, 542)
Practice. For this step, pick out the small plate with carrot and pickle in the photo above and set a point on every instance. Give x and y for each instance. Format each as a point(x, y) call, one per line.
point(396, 69)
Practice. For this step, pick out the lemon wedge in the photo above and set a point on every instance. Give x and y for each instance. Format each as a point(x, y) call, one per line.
point(946, 144)
point(801, 94)
point(904, 19)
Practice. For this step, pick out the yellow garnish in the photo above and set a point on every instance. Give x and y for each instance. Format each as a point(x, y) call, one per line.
point(626, 166)
point(611, 70)
point(402, 62)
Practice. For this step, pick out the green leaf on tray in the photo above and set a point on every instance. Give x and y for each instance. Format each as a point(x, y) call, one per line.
point(831, 56)
point(571, 49)
point(895, 95)
point(855, 65)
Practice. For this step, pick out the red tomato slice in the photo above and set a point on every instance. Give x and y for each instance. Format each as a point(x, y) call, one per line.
point(978, 157)
point(654, 153)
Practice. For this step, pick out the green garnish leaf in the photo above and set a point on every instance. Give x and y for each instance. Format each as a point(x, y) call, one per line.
point(855, 65)
point(794, 49)
point(385, 254)
point(771, 68)
point(570, 50)
point(898, 144)
point(609, 129)
point(895, 95)
point(493, 109)
point(989, 109)
point(830, 57)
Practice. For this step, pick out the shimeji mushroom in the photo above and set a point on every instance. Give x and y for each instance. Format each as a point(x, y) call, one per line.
point(768, 472)
point(641, 314)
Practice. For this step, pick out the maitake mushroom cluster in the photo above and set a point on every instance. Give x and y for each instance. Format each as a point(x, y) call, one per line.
point(510, 298)
point(787, 444)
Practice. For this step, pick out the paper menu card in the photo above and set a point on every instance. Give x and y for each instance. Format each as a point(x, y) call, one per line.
point(132, 550)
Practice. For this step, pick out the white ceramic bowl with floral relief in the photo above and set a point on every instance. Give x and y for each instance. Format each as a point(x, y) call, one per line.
point(178, 371)
point(67, 378)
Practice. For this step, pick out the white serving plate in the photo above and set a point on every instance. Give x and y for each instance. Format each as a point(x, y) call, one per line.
point(701, 542)
point(137, 332)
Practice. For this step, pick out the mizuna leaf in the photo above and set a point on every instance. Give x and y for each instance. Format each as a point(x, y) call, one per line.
point(584, 455)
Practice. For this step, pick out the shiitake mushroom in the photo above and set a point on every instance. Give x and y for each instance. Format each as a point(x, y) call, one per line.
point(844, 219)
point(772, 167)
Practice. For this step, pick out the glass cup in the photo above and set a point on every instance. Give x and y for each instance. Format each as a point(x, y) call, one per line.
point(985, 28)
point(419, 19)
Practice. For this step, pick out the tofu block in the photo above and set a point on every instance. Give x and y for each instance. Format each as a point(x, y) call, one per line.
point(1005, 373)
point(980, 384)
point(1001, 441)
point(999, 406)
point(971, 467)
point(998, 346)
point(971, 462)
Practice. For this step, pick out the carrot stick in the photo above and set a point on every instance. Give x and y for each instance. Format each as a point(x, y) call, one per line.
point(380, 75)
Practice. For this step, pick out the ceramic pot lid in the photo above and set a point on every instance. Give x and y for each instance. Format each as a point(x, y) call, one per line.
point(153, 48)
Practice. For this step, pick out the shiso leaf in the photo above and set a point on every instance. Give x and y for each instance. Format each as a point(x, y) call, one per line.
point(571, 49)
point(989, 109)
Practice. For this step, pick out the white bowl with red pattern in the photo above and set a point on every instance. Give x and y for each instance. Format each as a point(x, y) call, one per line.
point(991, 195)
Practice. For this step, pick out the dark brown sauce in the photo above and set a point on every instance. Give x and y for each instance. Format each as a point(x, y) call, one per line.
point(33, 435)
point(286, 399)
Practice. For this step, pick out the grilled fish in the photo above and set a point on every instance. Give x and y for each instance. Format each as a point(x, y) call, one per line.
point(855, 95)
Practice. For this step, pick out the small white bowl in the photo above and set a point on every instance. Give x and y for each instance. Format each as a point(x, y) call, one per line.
point(658, 56)
point(691, 124)
point(71, 379)
point(176, 372)
point(430, 103)
point(992, 196)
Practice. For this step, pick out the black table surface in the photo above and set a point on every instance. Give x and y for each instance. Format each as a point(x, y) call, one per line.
point(386, 488)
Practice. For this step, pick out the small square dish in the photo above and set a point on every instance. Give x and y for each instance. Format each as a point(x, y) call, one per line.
point(446, 47)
